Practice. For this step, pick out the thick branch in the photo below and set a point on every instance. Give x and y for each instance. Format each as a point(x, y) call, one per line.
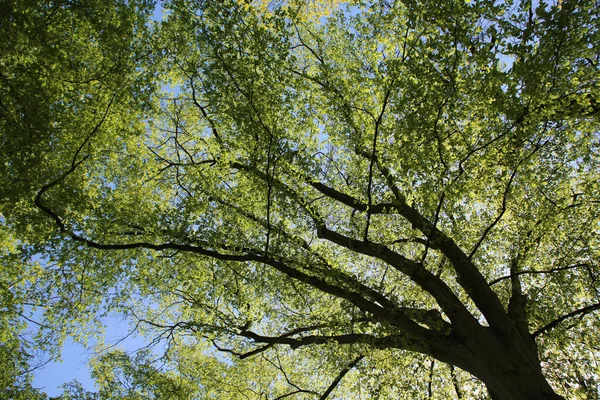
point(517, 303)
point(451, 305)
point(469, 277)
point(350, 201)
point(398, 341)
point(287, 334)
point(402, 264)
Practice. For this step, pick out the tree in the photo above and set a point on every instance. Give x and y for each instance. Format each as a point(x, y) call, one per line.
point(330, 199)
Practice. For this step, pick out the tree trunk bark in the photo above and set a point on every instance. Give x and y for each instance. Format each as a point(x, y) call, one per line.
point(510, 368)
point(521, 388)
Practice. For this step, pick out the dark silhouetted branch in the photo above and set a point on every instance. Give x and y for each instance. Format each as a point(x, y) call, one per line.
point(580, 312)
point(340, 376)
point(533, 272)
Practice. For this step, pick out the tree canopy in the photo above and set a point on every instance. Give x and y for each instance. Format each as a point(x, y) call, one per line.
point(361, 199)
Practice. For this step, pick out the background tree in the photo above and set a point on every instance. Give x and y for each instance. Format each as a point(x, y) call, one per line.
point(332, 201)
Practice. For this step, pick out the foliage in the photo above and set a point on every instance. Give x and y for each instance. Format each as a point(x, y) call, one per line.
point(121, 377)
point(62, 66)
point(310, 201)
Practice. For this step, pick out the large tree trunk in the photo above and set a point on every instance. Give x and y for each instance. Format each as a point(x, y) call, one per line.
point(520, 386)
point(510, 369)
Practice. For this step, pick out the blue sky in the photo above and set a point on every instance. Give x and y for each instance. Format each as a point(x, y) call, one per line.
point(74, 367)
point(75, 358)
